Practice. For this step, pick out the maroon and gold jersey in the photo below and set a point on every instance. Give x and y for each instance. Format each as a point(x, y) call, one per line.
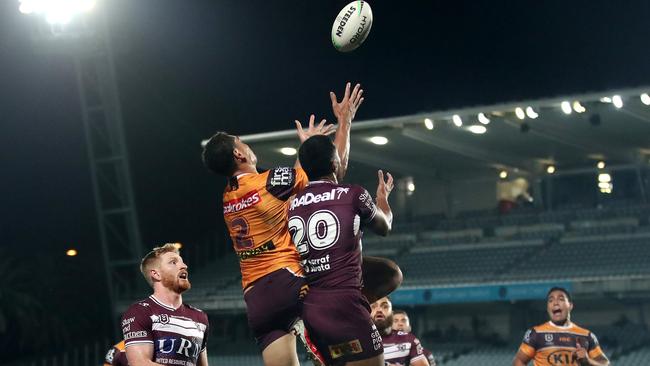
point(255, 211)
point(551, 345)
point(116, 356)
point(178, 336)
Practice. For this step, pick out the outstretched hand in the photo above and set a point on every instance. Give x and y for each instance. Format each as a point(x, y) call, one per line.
point(320, 129)
point(347, 108)
point(385, 186)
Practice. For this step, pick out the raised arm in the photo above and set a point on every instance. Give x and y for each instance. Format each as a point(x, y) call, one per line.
point(345, 112)
point(382, 223)
point(312, 130)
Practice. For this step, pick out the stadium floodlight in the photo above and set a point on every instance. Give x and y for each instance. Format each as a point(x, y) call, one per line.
point(503, 174)
point(428, 123)
point(457, 120)
point(530, 112)
point(606, 99)
point(618, 101)
point(477, 129)
point(378, 140)
point(483, 118)
point(520, 113)
point(600, 165)
point(71, 252)
point(566, 107)
point(410, 187)
point(56, 11)
point(604, 178)
point(645, 98)
point(550, 169)
point(578, 108)
point(288, 151)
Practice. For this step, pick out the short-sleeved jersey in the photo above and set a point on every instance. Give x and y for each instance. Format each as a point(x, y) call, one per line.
point(116, 356)
point(325, 221)
point(551, 345)
point(255, 211)
point(429, 356)
point(402, 348)
point(178, 336)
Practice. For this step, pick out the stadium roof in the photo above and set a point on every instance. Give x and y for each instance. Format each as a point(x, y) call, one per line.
point(559, 135)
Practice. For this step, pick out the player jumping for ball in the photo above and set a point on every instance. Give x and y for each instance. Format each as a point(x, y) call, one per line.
point(326, 221)
point(255, 211)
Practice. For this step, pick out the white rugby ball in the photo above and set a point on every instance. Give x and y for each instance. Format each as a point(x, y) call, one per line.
point(352, 26)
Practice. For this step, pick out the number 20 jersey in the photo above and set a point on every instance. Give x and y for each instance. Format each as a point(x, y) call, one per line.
point(326, 221)
point(255, 212)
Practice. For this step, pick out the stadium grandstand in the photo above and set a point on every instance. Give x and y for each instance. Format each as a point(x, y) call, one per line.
point(476, 262)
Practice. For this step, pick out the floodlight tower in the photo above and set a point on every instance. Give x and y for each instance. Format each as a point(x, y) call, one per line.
point(78, 29)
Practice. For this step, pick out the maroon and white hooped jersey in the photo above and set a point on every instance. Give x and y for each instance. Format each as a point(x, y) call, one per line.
point(178, 335)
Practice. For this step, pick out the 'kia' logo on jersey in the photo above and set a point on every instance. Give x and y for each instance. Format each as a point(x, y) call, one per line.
point(250, 199)
point(560, 358)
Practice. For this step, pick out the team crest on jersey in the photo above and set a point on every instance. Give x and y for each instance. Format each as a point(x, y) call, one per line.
point(164, 318)
point(548, 338)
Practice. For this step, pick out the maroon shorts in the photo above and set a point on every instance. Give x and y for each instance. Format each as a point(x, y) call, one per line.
point(273, 304)
point(338, 323)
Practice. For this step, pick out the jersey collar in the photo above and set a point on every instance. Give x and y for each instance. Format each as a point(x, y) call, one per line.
point(561, 326)
point(162, 304)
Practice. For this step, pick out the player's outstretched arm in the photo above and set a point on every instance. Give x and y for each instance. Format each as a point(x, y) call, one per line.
point(521, 359)
point(345, 112)
point(140, 355)
point(312, 130)
point(382, 222)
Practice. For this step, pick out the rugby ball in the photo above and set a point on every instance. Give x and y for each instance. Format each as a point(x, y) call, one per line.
point(352, 26)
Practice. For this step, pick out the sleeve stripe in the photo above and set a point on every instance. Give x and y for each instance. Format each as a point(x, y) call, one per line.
point(372, 215)
point(596, 352)
point(127, 344)
point(528, 350)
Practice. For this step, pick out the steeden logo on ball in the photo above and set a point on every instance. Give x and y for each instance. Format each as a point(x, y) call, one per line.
point(352, 26)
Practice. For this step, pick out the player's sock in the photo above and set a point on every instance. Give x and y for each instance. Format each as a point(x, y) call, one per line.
point(298, 329)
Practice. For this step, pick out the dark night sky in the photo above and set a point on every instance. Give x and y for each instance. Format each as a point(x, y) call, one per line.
point(188, 68)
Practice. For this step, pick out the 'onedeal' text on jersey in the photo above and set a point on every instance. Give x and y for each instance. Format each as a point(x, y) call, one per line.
point(255, 211)
point(552, 345)
point(326, 222)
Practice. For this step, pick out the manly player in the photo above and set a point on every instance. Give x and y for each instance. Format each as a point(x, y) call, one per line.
point(116, 356)
point(326, 221)
point(161, 329)
point(559, 341)
point(255, 211)
point(402, 323)
point(400, 348)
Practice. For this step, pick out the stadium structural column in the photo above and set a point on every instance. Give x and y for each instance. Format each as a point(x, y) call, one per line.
point(87, 43)
point(109, 164)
